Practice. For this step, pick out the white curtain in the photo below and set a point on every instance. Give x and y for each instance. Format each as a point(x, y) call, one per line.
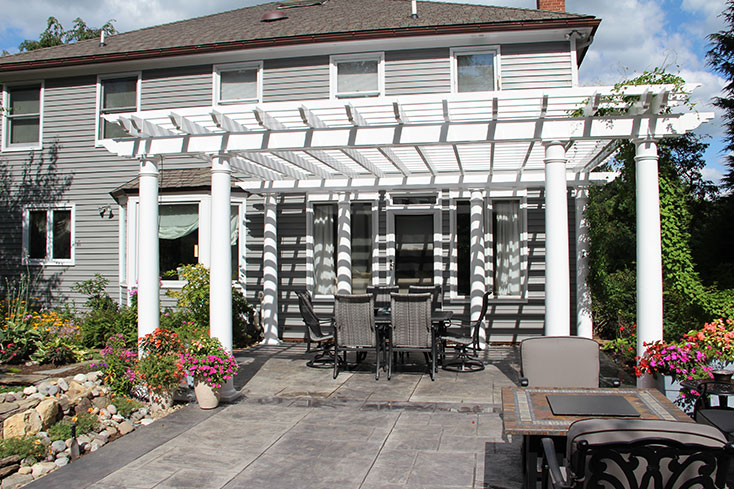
point(234, 228)
point(507, 248)
point(323, 249)
point(357, 76)
point(176, 221)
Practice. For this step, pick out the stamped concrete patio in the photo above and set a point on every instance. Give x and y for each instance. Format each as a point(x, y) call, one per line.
point(297, 427)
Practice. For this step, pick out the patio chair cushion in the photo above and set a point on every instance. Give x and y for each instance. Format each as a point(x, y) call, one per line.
point(722, 419)
point(560, 361)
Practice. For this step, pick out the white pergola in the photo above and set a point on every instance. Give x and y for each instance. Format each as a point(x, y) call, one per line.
point(516, 139)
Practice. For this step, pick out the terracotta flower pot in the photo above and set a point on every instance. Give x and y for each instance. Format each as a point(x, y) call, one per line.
point(206, 395)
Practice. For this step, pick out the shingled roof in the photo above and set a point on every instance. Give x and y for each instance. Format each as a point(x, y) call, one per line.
point(334, 20)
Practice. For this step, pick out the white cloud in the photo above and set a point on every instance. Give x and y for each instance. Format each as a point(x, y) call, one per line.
point(712, 174)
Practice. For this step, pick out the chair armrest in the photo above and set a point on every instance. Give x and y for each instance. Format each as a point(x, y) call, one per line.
point(551, 468)
point(524, 382)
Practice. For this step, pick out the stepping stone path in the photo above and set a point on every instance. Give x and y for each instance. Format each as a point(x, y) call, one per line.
point(33, 409)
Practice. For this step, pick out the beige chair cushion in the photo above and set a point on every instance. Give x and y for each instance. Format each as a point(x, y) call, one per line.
point(560, 361)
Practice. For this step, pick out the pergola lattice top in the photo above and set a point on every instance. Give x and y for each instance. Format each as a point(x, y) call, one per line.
point(485, 138)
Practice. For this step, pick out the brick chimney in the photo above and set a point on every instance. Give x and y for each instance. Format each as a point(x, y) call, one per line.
point(554, 5)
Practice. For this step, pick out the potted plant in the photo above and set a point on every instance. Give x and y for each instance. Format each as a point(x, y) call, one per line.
point(210, 365)
point(159, 367)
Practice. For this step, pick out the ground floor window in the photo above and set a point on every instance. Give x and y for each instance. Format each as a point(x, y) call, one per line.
point(178, 233)
point(48, 235)
point(463, 248)
point(324, 248)
point(361, 227)
point(506, 225)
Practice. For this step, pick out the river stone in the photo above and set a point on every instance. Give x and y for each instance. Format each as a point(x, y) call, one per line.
point(112, 409)
point(94, 376)
point(38, 396)
point(101, 402)
point(89, 385)
point(80, 378)
point(43, 388)
point(63, 385)
point(146, 421)
point(16, 480)
point(22, 424)
point(24, 470)
point(53, 390)
point(48, 410)
point(10, 397)
point(111, 430)
point(117, 418)
point(28, 461)
point(61, 461)
point(42, 468)
point(103, 435)
point(32, 389)
point(58, 446)
point(125, 427)
point(76, 390)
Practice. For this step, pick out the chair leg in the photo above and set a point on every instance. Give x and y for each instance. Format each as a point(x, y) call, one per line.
point(336, 360)
point(389, 361)
point(377, 362)
point(308, 343)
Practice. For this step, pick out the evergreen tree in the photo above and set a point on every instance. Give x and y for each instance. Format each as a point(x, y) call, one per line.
point(721, 59)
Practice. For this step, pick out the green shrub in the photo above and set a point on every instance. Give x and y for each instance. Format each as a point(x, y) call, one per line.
point(23, 447)
point(104, 318)
point(125, 406)
point(85, 423)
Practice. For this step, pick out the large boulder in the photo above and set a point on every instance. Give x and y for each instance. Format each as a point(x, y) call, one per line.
point(22, 424)
point(16, 480)
point(48, 410)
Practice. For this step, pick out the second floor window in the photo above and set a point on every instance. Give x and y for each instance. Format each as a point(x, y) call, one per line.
point(474, 70)
point(117, 95)
point(238, 83)
point(23, 116)
point(357, 76)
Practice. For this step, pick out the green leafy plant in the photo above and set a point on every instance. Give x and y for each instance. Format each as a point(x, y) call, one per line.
point(125, 406)
point(118, 364)
point(85, 423)
point(103, 317)
point(23, 447)
point(58, 351)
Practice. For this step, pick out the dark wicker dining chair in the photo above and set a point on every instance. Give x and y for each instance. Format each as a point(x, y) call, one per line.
point(354, 328)
point(411, 329)
point(638, 453)
point(314, 333)
point(381, 294)
point(464, 340)
point(435, 291)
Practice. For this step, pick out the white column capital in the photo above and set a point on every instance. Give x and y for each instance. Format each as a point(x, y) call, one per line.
point(555, 152)
point(149, 165)
point(646, 149)
point(221, 164)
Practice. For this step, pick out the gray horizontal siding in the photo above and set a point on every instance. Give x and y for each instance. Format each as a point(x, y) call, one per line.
point(417, 72)
point(296, 79)
point(536, 65)
point(175, 88)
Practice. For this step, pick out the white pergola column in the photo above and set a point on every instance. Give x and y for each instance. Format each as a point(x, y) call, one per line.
point(148, 252)
point(344, 247)
point(477, 250)
point(584, 323)
point(557, 280)
point(649, 255)
point(269, 307)
point(220, 259)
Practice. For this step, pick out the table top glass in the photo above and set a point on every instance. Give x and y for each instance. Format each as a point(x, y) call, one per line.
point(526, 410)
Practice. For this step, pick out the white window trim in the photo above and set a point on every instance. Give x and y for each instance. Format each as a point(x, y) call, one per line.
point(49, 235)
point(6, 146)
point(204, 203)
point(216, 79)
point(524, 248)
point(98, 141)
point(493, 49)
point(335, 59)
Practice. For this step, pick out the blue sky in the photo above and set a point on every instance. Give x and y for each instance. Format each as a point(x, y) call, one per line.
point(635, 35)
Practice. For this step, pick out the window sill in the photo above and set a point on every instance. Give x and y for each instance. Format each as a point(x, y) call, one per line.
point(236, 102)
point(22, 147)
point(48, 263)
point(357, 95)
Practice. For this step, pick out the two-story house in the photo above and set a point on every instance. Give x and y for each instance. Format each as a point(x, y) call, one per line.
point(329, 145)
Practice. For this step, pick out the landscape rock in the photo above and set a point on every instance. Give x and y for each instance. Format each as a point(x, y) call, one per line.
point(8, 407)
point(146, 421)
point(83, 406)
point(30, 390)
point(94, 376)
point(48, 410)
point(22, 424)
point(83, 439)
point(103, 435)
point(24, 470)
point(12, 459)
point(38, 396)
point(96, 392)
point(16, 480)
point(89, 385)
point(2, 396)
point(60, 462)
point(125, 427)
point(77, 390)
point(58, 446)
point(42, 468)
point(117, 418)
point(63, 385)
point(111, 430)
point(53, 390)
point(101, 402)
point(112, 409)
point(10, 397)
point(28, 461)
point(6, 471)
point(80, 378)
point(29, 403)
point(43, 388)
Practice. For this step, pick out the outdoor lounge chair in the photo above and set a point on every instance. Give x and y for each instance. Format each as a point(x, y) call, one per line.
point(640, 453)
point(462, 342)
point(411, 328)
point(314, 333)
point(560, 361)
point(354, 328)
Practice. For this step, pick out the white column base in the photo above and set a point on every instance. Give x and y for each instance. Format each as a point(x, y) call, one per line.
point(229, 393)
